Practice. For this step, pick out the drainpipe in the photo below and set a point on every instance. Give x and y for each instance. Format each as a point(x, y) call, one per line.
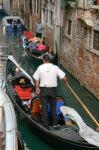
point(40, 8)
point(57, 28)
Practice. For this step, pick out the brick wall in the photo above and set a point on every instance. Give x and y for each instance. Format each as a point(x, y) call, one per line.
point(49, 35)
point(76, 58)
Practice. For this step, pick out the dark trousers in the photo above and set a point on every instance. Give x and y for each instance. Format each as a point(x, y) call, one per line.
point(48, 97)
point(39, 35)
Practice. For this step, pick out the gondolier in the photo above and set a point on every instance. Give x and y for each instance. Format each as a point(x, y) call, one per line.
point(46, 82)
point(39, 29)
point(65, 136)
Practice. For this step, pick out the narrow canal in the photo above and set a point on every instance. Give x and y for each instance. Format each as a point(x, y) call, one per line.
point(10, 42)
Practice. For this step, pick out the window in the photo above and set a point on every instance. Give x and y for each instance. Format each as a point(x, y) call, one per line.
point(26, 6)
point(68, 28)
point(43, 16)
point(47, 16)
point(30, 6)
point(51, 18)
point(96, 40)
point(36, 5)
point(87, 37)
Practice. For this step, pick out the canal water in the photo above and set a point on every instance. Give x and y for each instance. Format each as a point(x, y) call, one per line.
point(11, 43)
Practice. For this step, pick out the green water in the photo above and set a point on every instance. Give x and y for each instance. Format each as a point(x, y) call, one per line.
point(33, 141)
point(11, 43)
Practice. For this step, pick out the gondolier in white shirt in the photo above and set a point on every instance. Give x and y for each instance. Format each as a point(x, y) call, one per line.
point(46, 77)
point(39, 29)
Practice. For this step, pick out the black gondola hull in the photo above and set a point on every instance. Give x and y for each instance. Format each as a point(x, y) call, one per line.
point(65, 138)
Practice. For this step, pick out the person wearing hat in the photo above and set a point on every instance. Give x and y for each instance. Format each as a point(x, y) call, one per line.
point(46, 77)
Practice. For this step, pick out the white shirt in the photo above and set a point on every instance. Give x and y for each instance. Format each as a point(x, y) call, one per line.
point(39, 28)
point(47, 74)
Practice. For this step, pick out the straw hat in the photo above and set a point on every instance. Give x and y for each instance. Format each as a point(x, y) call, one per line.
point(22, 81)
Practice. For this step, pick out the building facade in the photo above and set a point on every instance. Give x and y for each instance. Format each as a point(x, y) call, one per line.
point(71, 28)
point(80, 43)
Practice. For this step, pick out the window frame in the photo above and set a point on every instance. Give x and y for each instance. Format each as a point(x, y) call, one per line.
point(93, 37)
point(91, 43)
point(36, 5)
point(66, 27)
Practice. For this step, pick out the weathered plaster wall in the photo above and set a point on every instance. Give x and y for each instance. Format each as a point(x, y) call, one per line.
point(6, 6)
point(79, 61)
point(49, 33)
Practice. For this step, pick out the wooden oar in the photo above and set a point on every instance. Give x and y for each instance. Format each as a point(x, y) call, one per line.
point(80, 101)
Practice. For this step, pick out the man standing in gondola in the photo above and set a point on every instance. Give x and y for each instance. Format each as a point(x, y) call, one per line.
point(39, 29)
point(46, 77)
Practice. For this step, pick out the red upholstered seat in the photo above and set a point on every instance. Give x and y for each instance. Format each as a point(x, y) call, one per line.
point(28, 34)
point(41, 47)
point(23, 93)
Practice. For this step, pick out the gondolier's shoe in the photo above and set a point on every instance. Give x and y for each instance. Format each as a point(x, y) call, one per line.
point(56, 127)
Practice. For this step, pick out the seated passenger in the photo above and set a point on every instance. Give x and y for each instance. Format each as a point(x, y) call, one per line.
point(36, 110)
point(24, 93)
point(28, 34)
point(41, 46)
point(17, 70)
point(32, 45)
point(34, 39)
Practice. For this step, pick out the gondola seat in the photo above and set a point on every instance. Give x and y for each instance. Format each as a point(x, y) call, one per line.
point(23, 93)
point(36, 109)
point(59, 103)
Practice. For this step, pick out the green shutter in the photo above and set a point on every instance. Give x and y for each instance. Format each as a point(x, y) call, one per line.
point(65, 2)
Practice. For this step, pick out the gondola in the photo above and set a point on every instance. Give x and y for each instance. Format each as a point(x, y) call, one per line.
point(10, 138)
point(13, 24)
point(31, 48)
point(28, 105)
point(34, 54)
